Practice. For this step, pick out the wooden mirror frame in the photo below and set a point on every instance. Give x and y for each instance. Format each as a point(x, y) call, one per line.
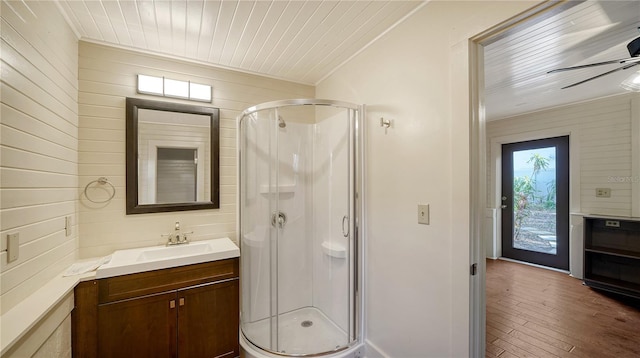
point(132, 106)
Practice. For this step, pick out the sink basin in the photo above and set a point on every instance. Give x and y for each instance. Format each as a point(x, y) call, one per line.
point(167, 252)
point(124, 262)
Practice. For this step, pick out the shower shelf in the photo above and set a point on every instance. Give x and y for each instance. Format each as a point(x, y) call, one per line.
point(334, 250)
point(282, 189)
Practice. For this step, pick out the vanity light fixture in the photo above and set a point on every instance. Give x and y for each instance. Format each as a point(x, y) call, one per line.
point(632, 83)
point(161, 86)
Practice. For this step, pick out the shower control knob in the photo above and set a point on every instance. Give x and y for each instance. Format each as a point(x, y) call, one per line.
point(278, 218)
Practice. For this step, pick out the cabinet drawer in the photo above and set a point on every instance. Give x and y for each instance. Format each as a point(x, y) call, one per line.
point(146, 283)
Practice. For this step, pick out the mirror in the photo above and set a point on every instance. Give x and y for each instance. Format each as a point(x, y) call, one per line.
point(172, 157)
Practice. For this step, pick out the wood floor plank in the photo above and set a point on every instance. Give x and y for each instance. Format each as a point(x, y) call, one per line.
point(495, 350)
point(533, 312)
point(558, 343)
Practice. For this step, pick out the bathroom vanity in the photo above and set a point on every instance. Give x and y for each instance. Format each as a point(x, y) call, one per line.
point(185, 311)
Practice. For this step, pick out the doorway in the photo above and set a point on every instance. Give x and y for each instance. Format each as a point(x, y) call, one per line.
point(535, 201)
point(177, 175)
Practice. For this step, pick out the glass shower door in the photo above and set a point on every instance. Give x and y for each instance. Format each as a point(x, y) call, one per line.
point(258, 187)
point(296, 227)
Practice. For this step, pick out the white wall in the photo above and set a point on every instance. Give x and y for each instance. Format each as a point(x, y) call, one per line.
point(107, 75)
point(39, 145)
point(417, 277)
point(39, 163)
point(602, 131)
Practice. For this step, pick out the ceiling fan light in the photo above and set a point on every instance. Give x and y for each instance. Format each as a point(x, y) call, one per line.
point(632, 83)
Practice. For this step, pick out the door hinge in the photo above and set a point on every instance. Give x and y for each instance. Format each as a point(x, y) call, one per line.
point(474, 269)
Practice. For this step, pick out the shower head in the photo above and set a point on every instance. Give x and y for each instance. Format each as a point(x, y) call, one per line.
point(281, 122)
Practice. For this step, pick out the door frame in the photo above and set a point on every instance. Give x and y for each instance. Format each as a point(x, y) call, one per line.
point(478, 160)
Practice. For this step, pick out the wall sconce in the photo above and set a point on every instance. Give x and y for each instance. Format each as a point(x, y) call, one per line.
point(632, 83)
point(161, 86)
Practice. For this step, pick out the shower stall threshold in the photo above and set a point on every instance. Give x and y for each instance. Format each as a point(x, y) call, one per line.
point(302, 332)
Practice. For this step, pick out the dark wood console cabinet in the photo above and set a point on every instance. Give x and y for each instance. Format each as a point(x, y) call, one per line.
point(612, 255)
point(187, 311)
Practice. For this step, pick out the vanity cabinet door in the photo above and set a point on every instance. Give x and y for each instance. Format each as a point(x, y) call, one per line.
point(208, 320)
point(140, 327)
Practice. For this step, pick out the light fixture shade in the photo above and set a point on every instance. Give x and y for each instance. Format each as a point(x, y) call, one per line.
point(162, 86)
point(150, 85)
point(175, 88)
point(198, 92)
point(632, 83)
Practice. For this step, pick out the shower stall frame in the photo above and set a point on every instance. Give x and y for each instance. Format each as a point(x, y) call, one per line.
point(355, 346)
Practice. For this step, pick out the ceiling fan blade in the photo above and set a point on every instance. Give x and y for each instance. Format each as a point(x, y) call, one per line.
point(603, 74)
point(621, 61)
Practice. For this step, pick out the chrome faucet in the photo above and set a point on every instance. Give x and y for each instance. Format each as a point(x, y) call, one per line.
point(177, 237)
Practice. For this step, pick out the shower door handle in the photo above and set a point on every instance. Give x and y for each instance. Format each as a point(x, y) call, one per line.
point(345, 220)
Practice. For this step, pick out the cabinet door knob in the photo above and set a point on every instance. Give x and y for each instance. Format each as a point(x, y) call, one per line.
point(181, 301)
point(172, 304)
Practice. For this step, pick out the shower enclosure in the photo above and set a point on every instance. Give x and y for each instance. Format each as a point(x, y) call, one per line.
point(299, 215)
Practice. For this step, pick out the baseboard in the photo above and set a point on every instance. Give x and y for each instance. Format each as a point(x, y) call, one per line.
point(372, 351)
point(534, 265)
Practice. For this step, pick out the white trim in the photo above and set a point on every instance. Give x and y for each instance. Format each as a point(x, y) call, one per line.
point(534, 265)
point(478, 199)
point(635, 156)
point(66, 18)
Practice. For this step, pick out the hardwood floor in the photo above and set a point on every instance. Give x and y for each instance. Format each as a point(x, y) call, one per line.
point(533, 312)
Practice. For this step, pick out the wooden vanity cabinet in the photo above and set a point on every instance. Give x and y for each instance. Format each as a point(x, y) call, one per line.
point(188, 311)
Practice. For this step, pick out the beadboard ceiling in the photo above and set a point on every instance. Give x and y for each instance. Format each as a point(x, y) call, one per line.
point(301, 41)
point(304, 41)
point(593, 31)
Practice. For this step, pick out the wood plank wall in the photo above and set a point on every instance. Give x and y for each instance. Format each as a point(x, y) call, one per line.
point(603, 130)
point(39, 146)
point(107, 75)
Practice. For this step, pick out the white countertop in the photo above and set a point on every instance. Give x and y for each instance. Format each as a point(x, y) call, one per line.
point(17, 322)
point(600, 216)
point(124, 262)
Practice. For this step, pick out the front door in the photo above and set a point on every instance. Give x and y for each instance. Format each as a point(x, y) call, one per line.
point(535, 201)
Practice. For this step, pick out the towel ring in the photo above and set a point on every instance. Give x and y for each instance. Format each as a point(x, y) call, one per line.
point(101, 181)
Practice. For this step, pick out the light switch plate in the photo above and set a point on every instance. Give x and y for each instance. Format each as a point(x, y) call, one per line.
point(423, 214)
point(13, 246)
point(67, 225)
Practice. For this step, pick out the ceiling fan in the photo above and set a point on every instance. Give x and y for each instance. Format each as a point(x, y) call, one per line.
point(634, 60)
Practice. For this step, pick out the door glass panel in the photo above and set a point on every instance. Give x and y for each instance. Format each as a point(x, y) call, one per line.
point(534, 200)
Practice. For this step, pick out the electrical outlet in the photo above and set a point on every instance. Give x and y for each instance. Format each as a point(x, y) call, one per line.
point(603, 192)
point(423, 214)
point(612, 223)
point(13, 246)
